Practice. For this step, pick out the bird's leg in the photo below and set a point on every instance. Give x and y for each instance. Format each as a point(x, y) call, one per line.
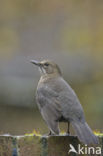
point(47, 134)
point(68, 131)
point(50, 133)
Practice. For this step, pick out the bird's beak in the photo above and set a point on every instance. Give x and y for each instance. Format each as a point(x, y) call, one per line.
point(35, 62)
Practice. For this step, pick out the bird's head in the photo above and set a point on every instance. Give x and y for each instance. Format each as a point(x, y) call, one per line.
point(47, 67)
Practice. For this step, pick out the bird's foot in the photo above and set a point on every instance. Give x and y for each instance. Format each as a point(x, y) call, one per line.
point(51, 134)
point(48, 134)
point(67, 134)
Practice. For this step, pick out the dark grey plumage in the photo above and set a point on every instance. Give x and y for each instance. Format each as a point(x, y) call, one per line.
point(58, 102)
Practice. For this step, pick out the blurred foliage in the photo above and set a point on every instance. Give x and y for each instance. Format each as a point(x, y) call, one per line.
point(69, 32)
point(74, 39)
point(8, 42)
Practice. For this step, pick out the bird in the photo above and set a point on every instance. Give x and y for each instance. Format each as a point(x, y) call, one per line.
point(58, 102)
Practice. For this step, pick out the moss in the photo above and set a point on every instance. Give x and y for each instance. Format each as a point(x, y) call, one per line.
point(98, 133)
point(39, 146)
point(34, 133)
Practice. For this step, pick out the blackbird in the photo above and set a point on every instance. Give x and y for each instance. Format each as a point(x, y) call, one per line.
point(58, 102)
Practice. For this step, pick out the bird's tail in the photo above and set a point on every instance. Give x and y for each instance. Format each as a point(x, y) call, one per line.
point(84, 133)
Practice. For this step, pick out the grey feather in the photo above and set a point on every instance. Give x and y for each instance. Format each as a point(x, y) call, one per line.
point(57, 100)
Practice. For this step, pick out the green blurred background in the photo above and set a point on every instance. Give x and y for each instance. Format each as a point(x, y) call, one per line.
point(70, 32)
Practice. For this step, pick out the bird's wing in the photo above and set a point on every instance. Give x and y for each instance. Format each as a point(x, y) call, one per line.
point(60, 98)
point(69, 102)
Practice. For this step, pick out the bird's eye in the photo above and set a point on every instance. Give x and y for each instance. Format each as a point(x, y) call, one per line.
point(46, 64)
